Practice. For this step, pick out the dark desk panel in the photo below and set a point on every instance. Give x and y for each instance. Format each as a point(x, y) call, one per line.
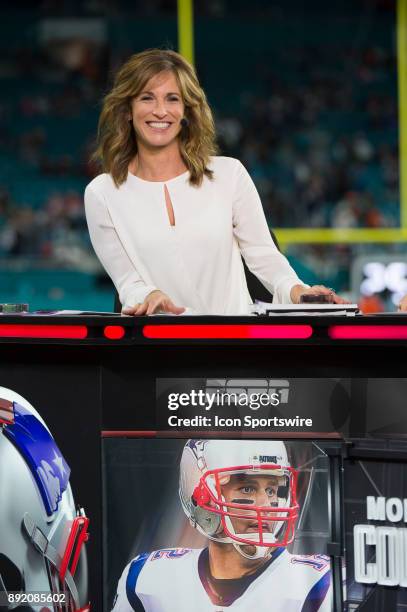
point(99, 373)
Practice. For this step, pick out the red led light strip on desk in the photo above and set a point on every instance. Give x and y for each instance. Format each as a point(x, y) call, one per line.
point(114, 332)
point(227, 332)
point(368, 332)
point(69, 332)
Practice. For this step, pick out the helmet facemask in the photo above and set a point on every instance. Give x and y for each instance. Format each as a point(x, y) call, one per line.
point(226, 507)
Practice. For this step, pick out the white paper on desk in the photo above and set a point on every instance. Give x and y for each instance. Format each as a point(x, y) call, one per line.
point(303, 313)
point(188, 312)
point(67, 313)
point(304, 309)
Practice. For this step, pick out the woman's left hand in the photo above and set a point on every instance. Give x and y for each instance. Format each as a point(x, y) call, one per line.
point(402, 307)
point(298, 290)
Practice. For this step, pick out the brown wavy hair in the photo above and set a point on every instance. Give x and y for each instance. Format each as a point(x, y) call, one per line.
point(117, 144)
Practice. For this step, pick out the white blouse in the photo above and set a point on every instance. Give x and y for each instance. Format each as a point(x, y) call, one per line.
point(197, 261)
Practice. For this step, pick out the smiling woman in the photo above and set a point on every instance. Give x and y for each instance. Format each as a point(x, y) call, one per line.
point(156, 87)
point(170, 220)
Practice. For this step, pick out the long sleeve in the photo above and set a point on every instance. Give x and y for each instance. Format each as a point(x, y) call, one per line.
point(255, 242)
point(111, 253)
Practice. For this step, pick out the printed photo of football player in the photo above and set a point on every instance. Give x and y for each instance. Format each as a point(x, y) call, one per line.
point(242, 497)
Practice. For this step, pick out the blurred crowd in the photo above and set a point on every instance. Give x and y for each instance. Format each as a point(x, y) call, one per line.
point(323, 153)
point(56, 231)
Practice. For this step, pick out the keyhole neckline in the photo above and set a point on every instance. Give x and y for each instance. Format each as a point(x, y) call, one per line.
point(179, 177)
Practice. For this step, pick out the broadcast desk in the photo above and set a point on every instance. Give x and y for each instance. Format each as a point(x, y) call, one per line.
point(93, 375)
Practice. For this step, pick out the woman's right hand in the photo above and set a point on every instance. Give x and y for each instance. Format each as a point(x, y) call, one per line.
point(156, 301)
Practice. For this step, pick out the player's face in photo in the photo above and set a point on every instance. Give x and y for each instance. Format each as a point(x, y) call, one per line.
point(259, 491)
point(157, 112)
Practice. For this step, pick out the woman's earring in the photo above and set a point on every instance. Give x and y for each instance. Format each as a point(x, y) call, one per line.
point(184, 122)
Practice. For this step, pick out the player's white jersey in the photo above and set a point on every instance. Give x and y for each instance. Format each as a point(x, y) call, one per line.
point(175, 579)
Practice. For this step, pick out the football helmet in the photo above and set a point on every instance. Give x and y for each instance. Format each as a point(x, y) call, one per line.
point(42, 533)
point(218, 484)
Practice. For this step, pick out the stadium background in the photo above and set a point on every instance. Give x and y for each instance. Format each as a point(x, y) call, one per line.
point(309, 95)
